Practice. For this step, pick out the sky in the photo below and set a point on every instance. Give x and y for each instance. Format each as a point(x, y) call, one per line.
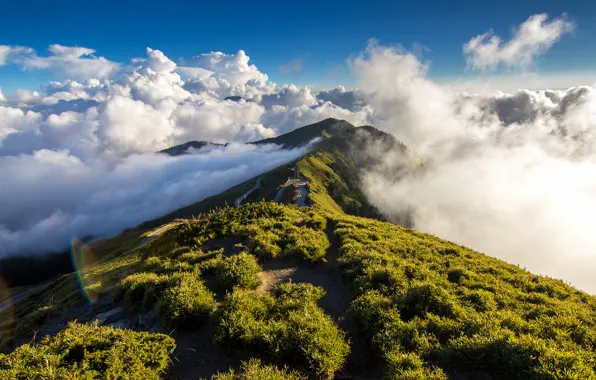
point(301, 44)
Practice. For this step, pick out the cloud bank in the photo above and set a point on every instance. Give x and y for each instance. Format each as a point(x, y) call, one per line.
point(59, 196)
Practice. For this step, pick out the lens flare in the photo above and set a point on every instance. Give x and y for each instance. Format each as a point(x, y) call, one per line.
point(82, 259)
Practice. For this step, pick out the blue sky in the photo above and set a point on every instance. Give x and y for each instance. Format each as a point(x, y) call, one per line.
point(321, 35)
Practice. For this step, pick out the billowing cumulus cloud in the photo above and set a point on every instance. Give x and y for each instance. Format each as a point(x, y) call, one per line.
point(150, 107)
point(533, 37)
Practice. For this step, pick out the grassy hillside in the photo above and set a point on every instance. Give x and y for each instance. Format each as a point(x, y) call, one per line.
point(289, 292)
point(273, 291)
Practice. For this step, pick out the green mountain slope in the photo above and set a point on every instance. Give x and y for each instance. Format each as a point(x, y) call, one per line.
point(270, 290)
point(332, 168)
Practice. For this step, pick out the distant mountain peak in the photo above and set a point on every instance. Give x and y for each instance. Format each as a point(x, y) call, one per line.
point(181, 149)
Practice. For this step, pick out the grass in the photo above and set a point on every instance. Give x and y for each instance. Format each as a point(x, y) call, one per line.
point(91, 352)
point(240, 270)
point(253, 369)
point(188, 303)
point(287, 327)
point(433, 309)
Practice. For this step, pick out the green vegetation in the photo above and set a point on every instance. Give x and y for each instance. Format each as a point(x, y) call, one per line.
point(254, 370)
point(433, 309)
point(187, 303)
point(287, 327)
point(240, 270)
point(90, 352)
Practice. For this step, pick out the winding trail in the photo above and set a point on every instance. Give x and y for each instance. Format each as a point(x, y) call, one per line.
point(238, 202)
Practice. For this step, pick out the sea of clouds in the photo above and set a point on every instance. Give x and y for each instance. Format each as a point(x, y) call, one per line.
point(511, 174)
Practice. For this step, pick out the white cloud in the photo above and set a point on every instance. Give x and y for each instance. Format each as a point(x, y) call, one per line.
point(150, 107)
point(533, 38)
point(233, 68)
point(51, 196)
point(290, 96)
point(71, 62)
point(8, 53)
point(225, 75)
point(351, 100)
point(76, 157)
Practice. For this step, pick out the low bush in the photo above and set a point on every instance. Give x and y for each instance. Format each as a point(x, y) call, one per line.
point(287, 326)
point(409, 366)
point(241, 270)
point(90, 352)
point(142, 290)
point(305, 243)
point(254, 370)
point(187, 303)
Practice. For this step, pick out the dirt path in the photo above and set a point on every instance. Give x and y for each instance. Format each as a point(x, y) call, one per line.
point(361, 363)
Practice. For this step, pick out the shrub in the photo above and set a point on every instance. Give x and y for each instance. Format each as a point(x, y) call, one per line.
point(240, 270)
point(187, 303)
point(305, 243)
point(262, 243)
point(368, 309)
point(210, 263)
point(408, 366)
point(457, 275)
point(254, 370)
point(288, 327)
point(481, 300)
point(427, 298)
point(142, 290)
point(91, 352)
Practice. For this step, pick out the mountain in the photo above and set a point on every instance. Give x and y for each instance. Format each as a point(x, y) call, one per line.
point(181, 149)
point(304, 135)
point(293, 139)
point(306, 283)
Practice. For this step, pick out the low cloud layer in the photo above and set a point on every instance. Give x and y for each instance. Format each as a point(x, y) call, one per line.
point(50, 196)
